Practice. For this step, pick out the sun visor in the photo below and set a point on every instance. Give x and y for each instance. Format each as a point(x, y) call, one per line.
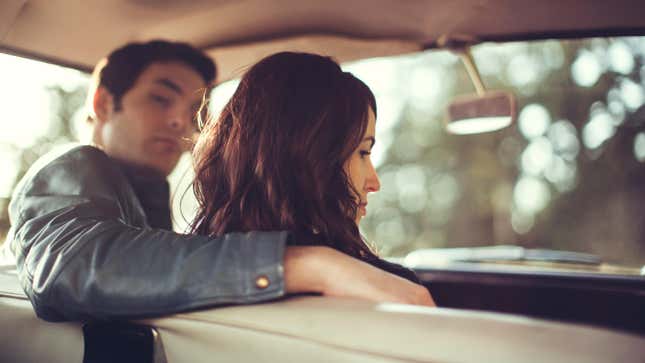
point(342, 49)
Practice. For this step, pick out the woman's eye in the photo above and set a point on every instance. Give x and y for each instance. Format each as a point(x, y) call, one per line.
point(364, 153)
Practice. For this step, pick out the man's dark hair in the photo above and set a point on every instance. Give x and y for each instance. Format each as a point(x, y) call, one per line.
point(124, 65)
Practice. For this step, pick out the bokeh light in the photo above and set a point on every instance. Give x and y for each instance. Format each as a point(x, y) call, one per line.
point(639, 146)
point(561, 173)
point(537, 156)
point(533, 120)
point(564, 139)
point(621, 58)
point(523, 70)
point(522, 223)
point(531, 195)
point(599, 129)
point(411, 185)
point(444, 191)
point(586, 69)
point(632, 94)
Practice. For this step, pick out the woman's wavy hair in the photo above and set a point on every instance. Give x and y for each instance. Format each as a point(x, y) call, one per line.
point(274, 160)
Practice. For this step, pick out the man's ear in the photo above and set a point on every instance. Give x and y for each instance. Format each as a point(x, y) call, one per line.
point(103, 104)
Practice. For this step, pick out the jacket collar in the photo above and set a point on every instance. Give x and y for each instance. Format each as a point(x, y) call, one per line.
point(153, 191)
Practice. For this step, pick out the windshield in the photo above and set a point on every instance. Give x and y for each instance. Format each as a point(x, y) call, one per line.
point(568, 175)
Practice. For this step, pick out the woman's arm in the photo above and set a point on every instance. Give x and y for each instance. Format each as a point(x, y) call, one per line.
point(329, 272)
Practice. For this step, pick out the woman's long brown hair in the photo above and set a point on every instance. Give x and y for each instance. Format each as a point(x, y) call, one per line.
point(274, 160)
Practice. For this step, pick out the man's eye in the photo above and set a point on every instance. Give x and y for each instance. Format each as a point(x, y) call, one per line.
point(163, 101)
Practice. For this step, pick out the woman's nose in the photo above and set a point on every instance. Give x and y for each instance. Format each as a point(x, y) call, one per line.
point(373, 184)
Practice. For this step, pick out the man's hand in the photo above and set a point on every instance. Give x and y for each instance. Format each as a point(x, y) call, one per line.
point(333, 273)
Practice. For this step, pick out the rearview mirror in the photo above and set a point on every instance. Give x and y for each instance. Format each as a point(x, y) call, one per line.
point(473, 114)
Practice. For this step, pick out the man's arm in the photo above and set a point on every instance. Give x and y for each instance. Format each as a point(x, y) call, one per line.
point(80, 255)
point(83, 252)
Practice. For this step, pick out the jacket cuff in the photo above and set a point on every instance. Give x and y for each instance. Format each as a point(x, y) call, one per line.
point(263, 273)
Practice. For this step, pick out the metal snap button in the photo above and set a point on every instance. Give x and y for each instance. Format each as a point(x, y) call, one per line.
point(262, 282)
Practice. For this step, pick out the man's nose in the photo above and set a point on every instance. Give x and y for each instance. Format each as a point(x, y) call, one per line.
point(180, 123)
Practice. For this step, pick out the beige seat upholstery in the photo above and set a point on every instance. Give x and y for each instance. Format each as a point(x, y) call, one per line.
point(24, 337)
point(317, 329)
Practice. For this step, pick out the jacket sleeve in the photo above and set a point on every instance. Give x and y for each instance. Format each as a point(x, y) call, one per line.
point(80, 255)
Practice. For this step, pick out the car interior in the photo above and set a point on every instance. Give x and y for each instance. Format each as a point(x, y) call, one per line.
point(488, 311)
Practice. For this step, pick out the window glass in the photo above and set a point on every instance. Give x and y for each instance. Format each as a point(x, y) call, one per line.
point(41, 108)
point(569, 175)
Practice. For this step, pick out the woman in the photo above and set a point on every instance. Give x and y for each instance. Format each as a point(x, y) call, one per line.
point(291, 151)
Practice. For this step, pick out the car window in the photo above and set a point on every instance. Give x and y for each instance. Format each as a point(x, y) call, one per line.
point(568, 175)
point(40, 109)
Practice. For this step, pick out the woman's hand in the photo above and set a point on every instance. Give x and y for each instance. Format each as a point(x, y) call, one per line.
point(333, 273)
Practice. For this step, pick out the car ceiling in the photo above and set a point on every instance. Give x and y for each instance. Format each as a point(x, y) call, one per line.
point(78, 33)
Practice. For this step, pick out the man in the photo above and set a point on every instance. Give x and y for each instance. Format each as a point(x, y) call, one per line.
point(91, 228)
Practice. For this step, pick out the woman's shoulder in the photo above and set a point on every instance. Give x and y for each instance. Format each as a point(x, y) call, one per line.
point(396, 269)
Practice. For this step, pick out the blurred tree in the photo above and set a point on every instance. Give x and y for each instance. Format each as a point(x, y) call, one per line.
point(474, 188)
point(63, 127)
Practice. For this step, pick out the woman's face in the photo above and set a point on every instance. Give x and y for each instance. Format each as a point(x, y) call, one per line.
point(359, 167)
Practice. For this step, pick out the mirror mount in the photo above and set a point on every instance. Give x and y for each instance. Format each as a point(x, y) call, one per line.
point(467, 58)
point(460, 45)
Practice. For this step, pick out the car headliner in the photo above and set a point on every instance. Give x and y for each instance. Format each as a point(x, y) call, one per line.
point(237, 33)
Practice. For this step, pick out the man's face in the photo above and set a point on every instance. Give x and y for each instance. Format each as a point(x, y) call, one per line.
point(155, 124)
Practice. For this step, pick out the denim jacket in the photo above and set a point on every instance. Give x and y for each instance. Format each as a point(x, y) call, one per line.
point(85, 248)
